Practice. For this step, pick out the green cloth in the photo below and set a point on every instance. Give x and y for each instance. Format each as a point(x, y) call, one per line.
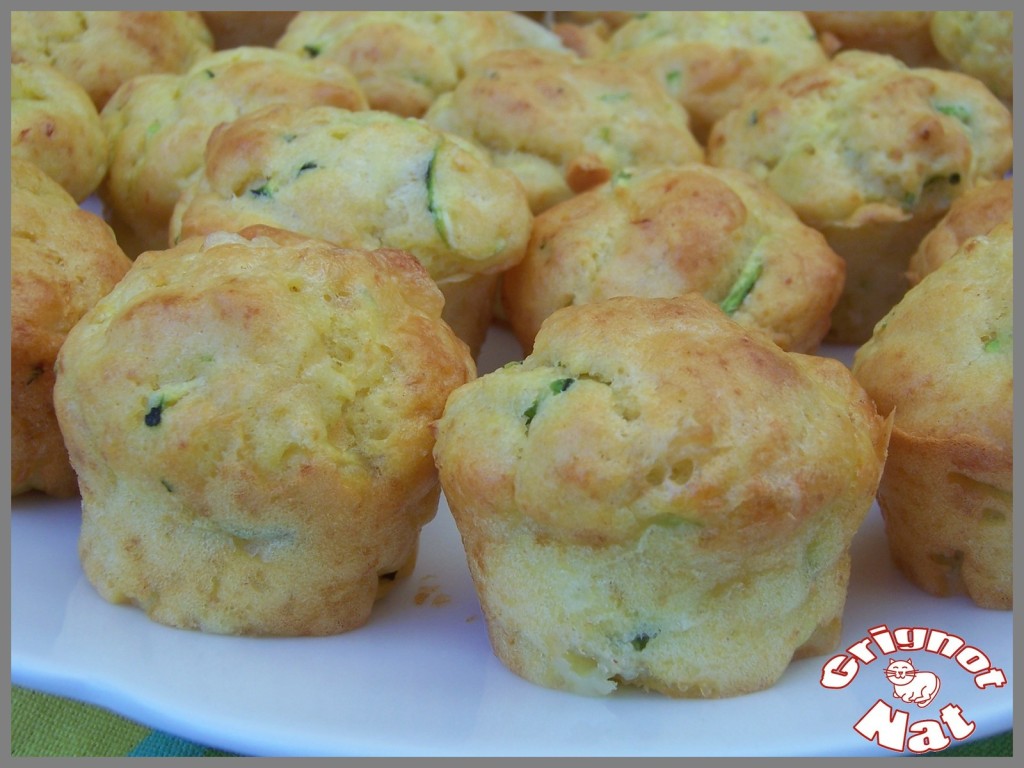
point(49, 726)
point(994, 746)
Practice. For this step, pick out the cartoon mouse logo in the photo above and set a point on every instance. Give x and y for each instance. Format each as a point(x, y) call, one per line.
point(911, 685)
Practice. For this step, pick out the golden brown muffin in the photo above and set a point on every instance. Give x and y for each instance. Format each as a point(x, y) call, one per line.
point(564, 124)
point(978, 43)
point(612, 20)
point(102, 49)
point(586, 40)
point(904, 34)
point(369, 180)
point(975, 213)
point(710, 60)
point(872, 153)
point(63, 260)
point(250, 419)
point(587, 32)
point(672, 230)
point(233, 29)
point(658, 497)
point(942, 361)
point(158, 126)
point(406, 59)
point(55, 125)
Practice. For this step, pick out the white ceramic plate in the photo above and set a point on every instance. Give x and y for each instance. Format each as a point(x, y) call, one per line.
point(420, 679)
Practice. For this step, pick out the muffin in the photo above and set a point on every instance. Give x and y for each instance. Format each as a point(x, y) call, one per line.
point(55, 126)
point(369, 180)
point(978, 43)
point(589, 40)
point(158, 126)
point(672, 230)
point(871, 153)
point(587, 32)
point(406, 59)
point(975, 213)
point(942, 361)
point(564, 124)
point(250, 419)
point(660, 498)
point(102, 49)
point(63, 261)
point(710, 60)
point(612, 20)
point(906, 35)
point(233, 29)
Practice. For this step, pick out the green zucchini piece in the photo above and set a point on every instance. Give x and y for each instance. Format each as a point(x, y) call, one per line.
point(556, 387)
point(744, 285)
point(961, 113)
point(433, 203)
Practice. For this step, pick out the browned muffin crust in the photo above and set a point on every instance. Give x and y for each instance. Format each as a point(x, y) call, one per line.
point(250, 419)
point(675, 229)
point(100, 50)
point(63, 260)
point(659, 497)
point(942, 361)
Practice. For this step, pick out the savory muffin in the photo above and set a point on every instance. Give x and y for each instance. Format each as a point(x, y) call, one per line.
point(564, 124)
point(979, 43)
point(589, 41)
point(63, 260)
point(102, 49)
point(710, 60)
point(906, 35)
point(872, 153)
point(942, 361)
point(975, 213)
point(406, 59)
point(612, 20)
point(587, 32)
point(55, 125)
point(672, 230)
point(370, 180)
point(233, 29)
point(250, 419)
point(158, 126)
point(659, 497)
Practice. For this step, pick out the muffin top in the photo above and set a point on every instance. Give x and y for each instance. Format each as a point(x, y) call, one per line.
point(611, 19)
point(63, 260)
point(158, 125)
point(635, 412)
point(943, 357)
point(867, 138)
point(406, 59)
point(675, 229)
point(233, 29)
point(587, 32)
point(978, 43)
point(55, 125)
point(564, 124)
point(974, 213)
point(710, 60)
point(243, 363)
point(102, 49)
point(906, 35)
point(360, 179)
point(589, 41)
